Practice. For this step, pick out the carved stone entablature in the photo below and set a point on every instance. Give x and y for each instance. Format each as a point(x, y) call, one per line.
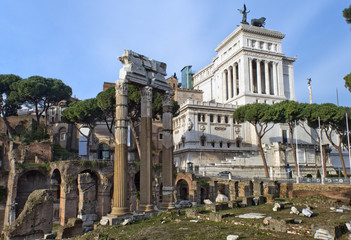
point(256, 55)
point(121, 87)
point(167, 98)
point(141, 70)
point(262, 31)
point(146, 94)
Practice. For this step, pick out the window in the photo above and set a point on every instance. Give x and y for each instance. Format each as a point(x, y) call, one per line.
point(220, 144)
point(160, 136)
point(218, 119)
point(213, 144)
point(226, 119)
point(284, 136)
point(211, 117)
point(199, 117)
point(228, 144)
point(62, 136)
point(203, 118)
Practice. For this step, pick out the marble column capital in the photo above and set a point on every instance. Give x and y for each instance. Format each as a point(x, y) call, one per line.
point(121, 87)
point(146, 94)
point(167, 98)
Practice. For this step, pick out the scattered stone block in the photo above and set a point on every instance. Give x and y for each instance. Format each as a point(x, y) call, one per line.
point(73, 228)
point(294, 211)
point(232, 237)
point(208, 201)
point(192, 212)
point(216, 217)
point(251, 215)
point(221, 198)
point(306, 212)
point(215, 207)
point(274, 224)
point(234, 204)
point(323, 234)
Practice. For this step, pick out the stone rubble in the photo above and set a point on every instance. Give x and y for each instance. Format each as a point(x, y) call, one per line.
point(232, 237)
point(294, 211)
point(251, 215)
point(221, 198)
point(323, 234)
point(306, 212)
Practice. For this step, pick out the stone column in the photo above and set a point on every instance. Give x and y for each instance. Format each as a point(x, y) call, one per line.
point(258, 66)
point(275, 79)
point(251, 76)
point(146, 152)
point(230, 79)
point(268, 83)
point(120, 178)
point(234, 81)
point(291, 82)
point(280, 79)
point(167, 152)
point(68, 201)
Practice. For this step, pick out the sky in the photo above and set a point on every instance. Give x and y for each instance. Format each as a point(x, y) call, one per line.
point(79, 41)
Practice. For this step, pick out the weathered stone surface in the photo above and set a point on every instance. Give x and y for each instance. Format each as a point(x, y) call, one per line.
point(274, 224)
point(248, 201)
point(221, 198)
point(215, 207)
point(216, 217)
point(232, 237)
point(36, 218)
point(73, 228)
point(192, 212)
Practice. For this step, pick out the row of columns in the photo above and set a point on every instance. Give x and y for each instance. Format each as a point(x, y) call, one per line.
point(120, 196)
point(264, 80)
point(231, 81)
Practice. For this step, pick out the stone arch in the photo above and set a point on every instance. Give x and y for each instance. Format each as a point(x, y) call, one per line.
point(27, 183)
point(55, 185)
point(182, 188)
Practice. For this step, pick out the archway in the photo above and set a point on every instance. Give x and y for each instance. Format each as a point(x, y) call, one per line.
point(55, 183)
point(182, 190)
point(27, 183)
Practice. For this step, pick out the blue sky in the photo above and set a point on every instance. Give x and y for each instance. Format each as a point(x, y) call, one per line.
point(79, 41)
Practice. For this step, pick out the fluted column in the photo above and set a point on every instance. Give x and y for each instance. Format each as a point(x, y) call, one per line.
point(275, 79)
point(234, 81)
point(120, 180)
point(251, 76)
point(167, 152)
point(145, 147)
point(230, 79)
point(266, 72)
point(258, 68)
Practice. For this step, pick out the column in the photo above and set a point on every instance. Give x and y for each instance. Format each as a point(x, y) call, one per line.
point(258, 68)
point(251, 76)
point(291, 82)
point(234, 81)
point(224, 84)
point(230, 78)
point(280, 79)
point(167, 152)
point(146, 153)
point(266, 72)
point(120, 177)
point(275, 79)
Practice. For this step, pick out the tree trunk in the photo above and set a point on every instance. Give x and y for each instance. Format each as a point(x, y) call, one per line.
point(291, 128)
point(137, 143)
point(324, 155)
point(262, 155)
point(342, 161)
point(9, 129)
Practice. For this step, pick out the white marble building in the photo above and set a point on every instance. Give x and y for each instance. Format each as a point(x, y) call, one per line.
point(249, 67)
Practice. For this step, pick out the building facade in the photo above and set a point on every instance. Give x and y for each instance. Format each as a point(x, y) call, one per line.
point(250, 67)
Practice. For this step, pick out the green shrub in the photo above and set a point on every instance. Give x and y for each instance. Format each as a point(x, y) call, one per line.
point(60, 153)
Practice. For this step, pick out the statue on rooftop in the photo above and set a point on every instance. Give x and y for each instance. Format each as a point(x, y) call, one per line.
point(260, 22)
point(244, 13)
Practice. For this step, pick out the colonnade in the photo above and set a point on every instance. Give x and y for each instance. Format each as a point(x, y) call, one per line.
point(231, 78)
point(120, 193)
point(264, 77)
